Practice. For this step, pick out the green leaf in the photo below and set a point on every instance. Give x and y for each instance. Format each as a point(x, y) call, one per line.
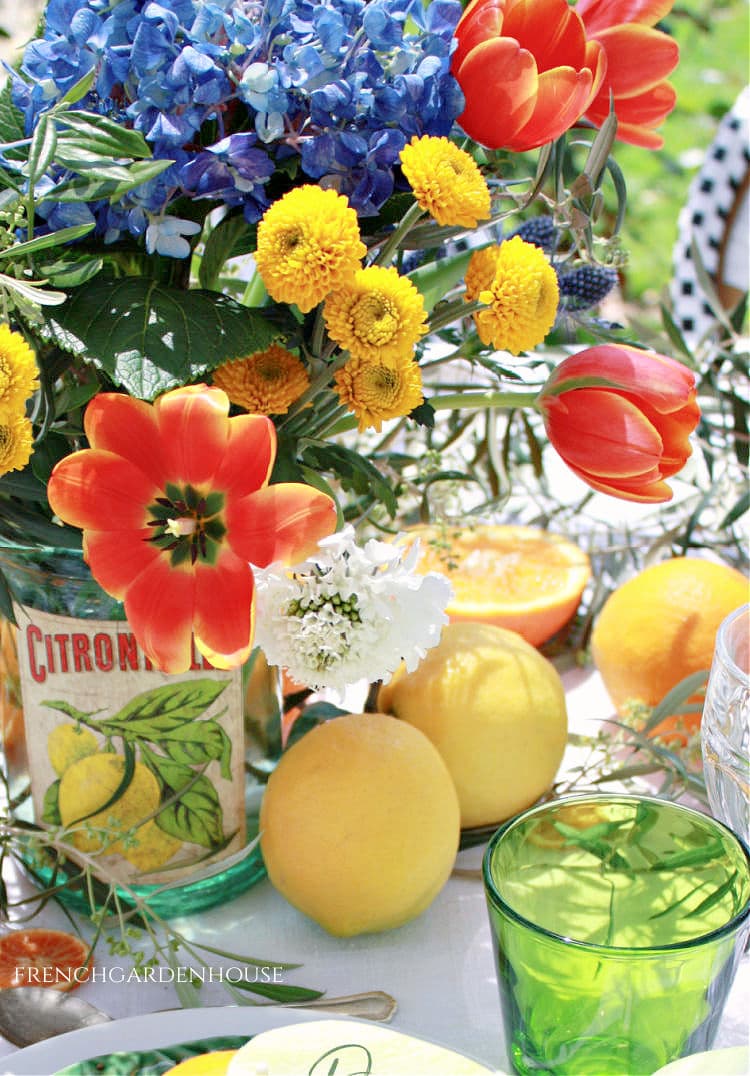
point(51, 805)
point(79, 89)
point(198, 742)
point(111, 183)
point(42, 242)
point(159, 711)
point(436, 280)
point(43, 143)
point(674, 701)
point(150, 338)
point(232, 236)
point(71, 272)
point(46, 454)
point(281, 992)
point(11, 119)
point(195, 815)
point(354, 471)
point(737, 511)
point(98, 130)
point(6, 600)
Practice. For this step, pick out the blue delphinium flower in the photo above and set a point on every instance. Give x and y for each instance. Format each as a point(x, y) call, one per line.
point(228, 90)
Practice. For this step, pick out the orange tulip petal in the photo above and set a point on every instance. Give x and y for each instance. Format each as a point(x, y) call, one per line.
point(98, 490)
point(281, 522)
point(481, 21)
point(128, 427)
point(596, 61)
point(662, 382)
point(223, 622)
point(646, 109)
point(550, 29)
point(250, 453)
point(647, 493)
point(598, 15)
point(159, 606)
point(602, 434)
point(194, 427)
point(637, 58)
point(562, 98)
point(499, 80)
point(674, 430)
point(116, 558)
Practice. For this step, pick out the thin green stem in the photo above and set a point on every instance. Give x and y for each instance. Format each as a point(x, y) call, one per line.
point(457, 308)
point(461, 401)
point(392, 243)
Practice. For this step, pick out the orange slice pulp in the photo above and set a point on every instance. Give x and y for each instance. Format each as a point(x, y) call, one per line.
point(516, 577)
point(42, 957)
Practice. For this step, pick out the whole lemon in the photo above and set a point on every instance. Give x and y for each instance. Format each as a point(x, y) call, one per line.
point(88, 784)
point(360, 824)
point(67, 743)
point(495, 710)
point(660, 626)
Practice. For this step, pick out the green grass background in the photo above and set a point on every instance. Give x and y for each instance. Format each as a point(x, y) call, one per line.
point(713, 69)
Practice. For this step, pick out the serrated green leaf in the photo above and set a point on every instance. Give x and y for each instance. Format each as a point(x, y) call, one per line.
point(198, 742)
point(195, 815)
point(150, 338)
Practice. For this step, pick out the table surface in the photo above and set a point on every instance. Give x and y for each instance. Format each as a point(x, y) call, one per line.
point(439, 967)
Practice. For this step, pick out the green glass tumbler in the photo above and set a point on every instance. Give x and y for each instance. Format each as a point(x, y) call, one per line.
point(618, 923)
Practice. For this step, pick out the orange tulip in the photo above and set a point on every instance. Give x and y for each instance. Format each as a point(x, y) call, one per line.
point(639, 59)
point(626, 434)
point(174, 502)
point(526, 70)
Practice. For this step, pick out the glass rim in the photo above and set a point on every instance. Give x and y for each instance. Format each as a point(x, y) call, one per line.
point(502, 905)
point(722, 648)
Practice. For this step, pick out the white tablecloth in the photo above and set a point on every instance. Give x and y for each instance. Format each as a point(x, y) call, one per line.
point(438, 967)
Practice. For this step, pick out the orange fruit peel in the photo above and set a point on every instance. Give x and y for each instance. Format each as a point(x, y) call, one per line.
point(42, 957)
point(516, 577)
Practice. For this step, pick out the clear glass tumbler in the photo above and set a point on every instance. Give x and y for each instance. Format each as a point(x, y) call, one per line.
point(725, 725)
point(618, 924)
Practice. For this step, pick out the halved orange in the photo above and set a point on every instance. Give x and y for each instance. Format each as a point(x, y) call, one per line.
point(42, 957)
point(516, 577)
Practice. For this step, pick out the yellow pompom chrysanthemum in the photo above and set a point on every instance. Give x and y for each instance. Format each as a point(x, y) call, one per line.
point(376, 315)
point(308, 244)
point(18, 372)
point(378, 390)
point(446, 181)
point(16, 442)
point(264, 383)
point(521, 296)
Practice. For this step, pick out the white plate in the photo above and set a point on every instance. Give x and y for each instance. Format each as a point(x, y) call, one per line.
point(148, 1032)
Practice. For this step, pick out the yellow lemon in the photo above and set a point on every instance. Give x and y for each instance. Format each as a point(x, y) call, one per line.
point(660, 626)
point(495, 710)
point(67, 744)
point(360, 824)
point(150, 847)
point(88, 784)
point(215, 1063)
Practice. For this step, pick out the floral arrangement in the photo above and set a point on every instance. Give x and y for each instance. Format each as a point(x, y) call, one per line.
point(235, 233)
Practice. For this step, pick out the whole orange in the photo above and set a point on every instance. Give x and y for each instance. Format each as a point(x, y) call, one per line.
point(520, 578)
point(660, 626)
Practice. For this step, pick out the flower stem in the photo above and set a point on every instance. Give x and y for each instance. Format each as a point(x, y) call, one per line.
point(461, 401)
point(457, 308)
point(391, 245)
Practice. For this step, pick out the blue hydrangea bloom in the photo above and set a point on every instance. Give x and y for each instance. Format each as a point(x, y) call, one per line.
point(227, 90)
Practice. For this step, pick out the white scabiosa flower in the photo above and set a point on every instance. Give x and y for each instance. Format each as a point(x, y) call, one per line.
point(349, 612)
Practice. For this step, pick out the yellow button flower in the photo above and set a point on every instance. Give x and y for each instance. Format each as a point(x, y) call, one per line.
point(521, 296)
point(264, 383)
point(16, 443)
point(308, 244)
point(377, 390)
point(18, 372)
point(446, 181)
point(376, 315)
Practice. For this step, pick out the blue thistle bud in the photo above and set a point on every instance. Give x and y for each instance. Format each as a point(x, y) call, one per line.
point(586, 286)
point(540, 231)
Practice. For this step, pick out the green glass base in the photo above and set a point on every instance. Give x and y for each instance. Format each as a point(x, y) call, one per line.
point(187, 897)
